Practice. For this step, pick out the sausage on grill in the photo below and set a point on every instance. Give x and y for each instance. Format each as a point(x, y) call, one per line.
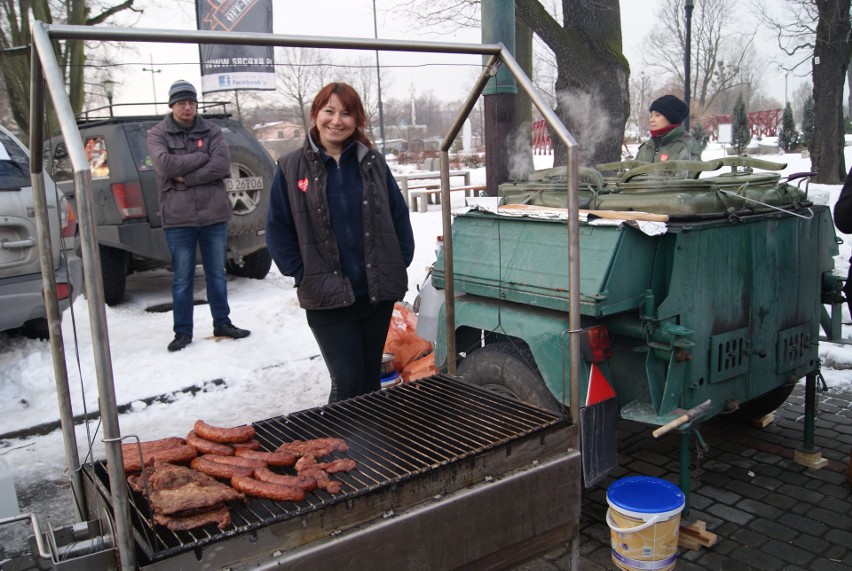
point(236, 461)
point(223, 435)
point(306, 483)
point(218, 470)
point(277, 492)
point(271, 458)
point(205, 446)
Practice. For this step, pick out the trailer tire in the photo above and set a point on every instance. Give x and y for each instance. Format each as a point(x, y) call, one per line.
point(764, 404)
point(510, 370)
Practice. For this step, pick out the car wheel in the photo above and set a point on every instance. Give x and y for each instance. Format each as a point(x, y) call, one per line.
point(36, 329)
point(114, 272)
point(508, 369)
point(255, 266)
point(250, 203)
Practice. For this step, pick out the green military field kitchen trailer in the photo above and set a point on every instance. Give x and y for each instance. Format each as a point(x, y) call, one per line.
point(701, 294)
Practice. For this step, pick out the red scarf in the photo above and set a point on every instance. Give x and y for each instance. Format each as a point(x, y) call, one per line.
point(660, 132)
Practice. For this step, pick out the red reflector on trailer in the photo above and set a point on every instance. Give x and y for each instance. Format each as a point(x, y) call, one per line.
point(596, 344)
point(599, 388)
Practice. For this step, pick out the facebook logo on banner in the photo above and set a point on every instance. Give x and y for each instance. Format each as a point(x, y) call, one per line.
point(224, 81)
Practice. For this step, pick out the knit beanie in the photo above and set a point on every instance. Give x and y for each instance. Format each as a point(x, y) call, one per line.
point(182, 90)
point(671, 108)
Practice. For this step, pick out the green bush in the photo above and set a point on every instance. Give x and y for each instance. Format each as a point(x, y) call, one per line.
point(788, 138)
point(701, 135)
point(807, 137)
point(741, 135)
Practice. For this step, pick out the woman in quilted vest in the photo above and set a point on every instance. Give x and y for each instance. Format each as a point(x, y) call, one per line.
point(338, 224)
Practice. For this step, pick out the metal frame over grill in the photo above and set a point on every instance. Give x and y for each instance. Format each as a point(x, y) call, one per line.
point(456, 454)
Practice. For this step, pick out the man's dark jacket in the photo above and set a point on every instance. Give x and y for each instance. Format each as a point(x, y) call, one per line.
point(200, 155)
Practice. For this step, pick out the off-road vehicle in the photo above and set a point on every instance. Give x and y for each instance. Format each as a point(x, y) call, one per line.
point(127, 211)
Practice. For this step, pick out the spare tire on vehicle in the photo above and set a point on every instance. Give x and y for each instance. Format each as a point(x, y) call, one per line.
point(248, 190)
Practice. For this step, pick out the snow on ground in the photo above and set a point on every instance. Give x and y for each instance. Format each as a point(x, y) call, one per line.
point(275, 371)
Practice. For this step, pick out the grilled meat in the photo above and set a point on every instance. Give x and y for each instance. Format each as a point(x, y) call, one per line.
point(205, 446)
point(317, 447)
point(218, 470)
point(271, 458)
point(277, 492)
point(171, 452)
point(305, 483)
point(220, 516)
point(223, 435)
point(339, 465)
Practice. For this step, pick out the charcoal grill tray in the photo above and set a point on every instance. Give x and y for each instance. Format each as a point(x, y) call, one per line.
point(394, 435)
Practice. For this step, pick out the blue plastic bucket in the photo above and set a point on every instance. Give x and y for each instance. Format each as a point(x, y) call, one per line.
point(644, 522)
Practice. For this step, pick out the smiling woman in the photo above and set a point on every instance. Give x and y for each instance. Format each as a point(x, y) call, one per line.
point(339, 225)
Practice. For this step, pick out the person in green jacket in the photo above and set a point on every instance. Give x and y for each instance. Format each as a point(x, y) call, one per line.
point(669, 140)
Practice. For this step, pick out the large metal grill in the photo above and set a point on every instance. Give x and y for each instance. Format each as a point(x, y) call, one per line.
point(434, 425)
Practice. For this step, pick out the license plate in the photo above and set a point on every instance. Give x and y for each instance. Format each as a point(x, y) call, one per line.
point(244, 184)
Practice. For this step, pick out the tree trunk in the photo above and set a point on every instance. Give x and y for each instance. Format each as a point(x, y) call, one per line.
point(592, 75)
point(830, 62)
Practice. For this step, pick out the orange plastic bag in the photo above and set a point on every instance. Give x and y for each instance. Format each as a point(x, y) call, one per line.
point(422, 367)
point(402, 339)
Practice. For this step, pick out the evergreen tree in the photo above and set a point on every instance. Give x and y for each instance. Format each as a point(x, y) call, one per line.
point(788, 138)
point(808, 124)
point(741, 134)
point(700, 134)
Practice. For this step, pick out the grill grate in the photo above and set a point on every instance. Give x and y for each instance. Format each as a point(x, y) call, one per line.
point(394, 435)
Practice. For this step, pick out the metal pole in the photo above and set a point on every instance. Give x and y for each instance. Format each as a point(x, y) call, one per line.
point(687, 59)
point(43, 50)
point(45, 249)
point(153, 83)
point(379, 82)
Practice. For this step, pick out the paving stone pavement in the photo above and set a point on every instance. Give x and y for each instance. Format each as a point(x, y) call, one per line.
point(769, 513)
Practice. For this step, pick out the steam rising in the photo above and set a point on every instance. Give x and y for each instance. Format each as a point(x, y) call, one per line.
point(586, 120)
point(520, 156)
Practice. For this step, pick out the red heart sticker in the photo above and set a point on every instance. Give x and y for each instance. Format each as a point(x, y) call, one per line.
point(303, 184)
point(664, 157)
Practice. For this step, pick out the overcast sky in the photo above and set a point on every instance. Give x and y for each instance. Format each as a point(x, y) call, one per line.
point(449, 77)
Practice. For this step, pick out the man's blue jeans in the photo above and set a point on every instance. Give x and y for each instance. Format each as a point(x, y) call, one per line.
point(212, 240)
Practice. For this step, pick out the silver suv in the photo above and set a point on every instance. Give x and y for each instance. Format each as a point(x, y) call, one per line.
point(21, 296)
point(127, 212)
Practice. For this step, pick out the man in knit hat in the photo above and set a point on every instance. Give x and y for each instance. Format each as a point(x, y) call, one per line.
point(191, 159)
point(669, 140)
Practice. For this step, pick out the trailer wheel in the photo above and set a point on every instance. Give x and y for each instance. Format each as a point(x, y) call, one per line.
point(508, 369)
point(764, 404)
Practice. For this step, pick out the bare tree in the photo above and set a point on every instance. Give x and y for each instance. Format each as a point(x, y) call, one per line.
point(300, 76)
point(818, 31)
point(15, 39)
point(363, 76)
point(592, 73)
point(723, 56)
